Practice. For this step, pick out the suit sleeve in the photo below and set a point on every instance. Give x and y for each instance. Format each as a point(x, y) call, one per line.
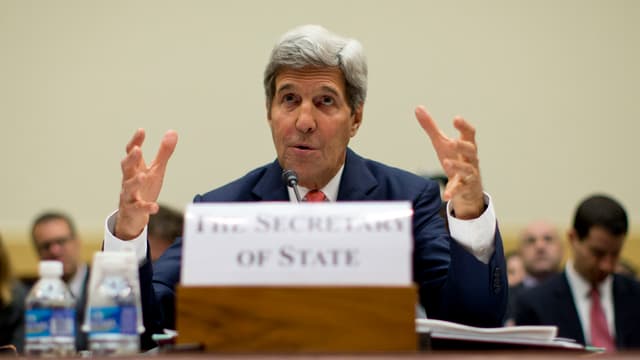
point(453, 284)
point(158, 293)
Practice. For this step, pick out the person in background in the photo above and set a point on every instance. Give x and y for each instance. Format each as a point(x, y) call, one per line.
point(163, 229)
point(588, 302)
point(12, 297)
point(54, 237)
point(315, 84)
point(541, 251)
point(515, 268)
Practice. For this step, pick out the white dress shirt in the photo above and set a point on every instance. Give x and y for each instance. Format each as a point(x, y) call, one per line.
point(77, 280)
point(581, 291)
point(475, 235)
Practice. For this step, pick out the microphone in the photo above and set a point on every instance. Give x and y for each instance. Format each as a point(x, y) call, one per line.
point(290, 178)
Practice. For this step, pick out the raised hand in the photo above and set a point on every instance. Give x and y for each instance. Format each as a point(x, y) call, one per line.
point(141, 184)
point(459, 159)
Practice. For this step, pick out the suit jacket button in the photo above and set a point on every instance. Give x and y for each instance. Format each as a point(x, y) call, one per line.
point(496, 280)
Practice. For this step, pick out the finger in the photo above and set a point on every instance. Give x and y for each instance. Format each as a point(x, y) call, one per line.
point(467, 131)
point(130, 165)
point(459, 184)
point(152, 207)
point(147, 207)
point(451, 188)
point(131, 198)
point(454, 188)
point(446, 195)
point(167, 146)
point(429, 126)
point(462, 169)
point(130, 191)
point(136, 140)
point(467, 151)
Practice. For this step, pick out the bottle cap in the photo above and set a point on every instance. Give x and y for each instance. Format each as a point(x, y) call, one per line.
point(50, 268)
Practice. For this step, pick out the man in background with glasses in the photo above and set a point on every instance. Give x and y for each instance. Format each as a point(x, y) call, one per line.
point(54, 238)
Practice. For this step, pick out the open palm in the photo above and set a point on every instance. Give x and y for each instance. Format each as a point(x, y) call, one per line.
point(459, 159)
point(141, 184)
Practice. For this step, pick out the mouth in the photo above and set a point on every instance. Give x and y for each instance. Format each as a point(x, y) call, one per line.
point(302, 147)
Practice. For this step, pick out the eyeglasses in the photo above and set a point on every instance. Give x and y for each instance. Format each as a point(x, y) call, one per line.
point(46, 245)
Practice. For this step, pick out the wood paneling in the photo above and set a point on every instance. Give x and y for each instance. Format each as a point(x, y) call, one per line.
point(297, 319)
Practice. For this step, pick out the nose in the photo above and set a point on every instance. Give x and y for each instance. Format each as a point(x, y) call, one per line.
point(55, 250)
point(305, 122)
point(540, 244)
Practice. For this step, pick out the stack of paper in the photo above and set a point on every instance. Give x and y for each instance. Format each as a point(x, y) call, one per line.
point(524, 335)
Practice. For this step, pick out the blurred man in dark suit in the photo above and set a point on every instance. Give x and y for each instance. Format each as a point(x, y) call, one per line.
point(588, 301)
point(541, 252)
point(540, 249)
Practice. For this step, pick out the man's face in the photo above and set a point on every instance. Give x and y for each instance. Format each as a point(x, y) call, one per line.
point(311, 123)
point(541, 249)
point(595, 257)
point(53, 241)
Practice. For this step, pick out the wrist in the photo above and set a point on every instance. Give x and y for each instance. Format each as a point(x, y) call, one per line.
point(124, 231)
point(467, 210)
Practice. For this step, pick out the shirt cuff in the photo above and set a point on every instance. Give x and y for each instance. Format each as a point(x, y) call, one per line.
point(112, 243)
point(476, 235)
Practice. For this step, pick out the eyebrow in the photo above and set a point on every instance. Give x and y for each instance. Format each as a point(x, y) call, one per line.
point(289, 86)
point(331, 90)
point(284, 87)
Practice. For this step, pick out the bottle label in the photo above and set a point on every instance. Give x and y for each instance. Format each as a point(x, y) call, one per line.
point(114, 320)
point(50, 322)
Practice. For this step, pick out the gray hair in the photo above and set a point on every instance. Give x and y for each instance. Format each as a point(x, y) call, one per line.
point(315, 46)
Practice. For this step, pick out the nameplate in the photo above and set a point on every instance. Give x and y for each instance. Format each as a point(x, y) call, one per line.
point(343, 243)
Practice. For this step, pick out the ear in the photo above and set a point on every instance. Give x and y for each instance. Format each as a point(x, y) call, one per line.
point(572, 237)
point(356, 120)
point(268, 112)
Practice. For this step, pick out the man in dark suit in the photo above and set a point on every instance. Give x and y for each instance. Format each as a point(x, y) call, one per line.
point(315, 85)
point(588, 302)
point(540, 248)
point(54, 237)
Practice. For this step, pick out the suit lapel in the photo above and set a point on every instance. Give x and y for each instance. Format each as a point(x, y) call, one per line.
point(270, 187)
point(566, 312)
point(622, 308)
point(357, 181)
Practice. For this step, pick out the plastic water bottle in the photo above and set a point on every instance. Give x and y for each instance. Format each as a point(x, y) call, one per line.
point(50, 315)
point(113, 309)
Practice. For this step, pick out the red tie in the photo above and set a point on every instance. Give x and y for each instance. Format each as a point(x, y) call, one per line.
point(599, 329)
point(315, 196)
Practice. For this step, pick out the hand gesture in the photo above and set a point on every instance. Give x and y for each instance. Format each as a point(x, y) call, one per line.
point(141, 184)
point(459, 159)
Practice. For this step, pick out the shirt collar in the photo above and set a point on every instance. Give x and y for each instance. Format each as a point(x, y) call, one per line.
point(529, 281)
point(582, 287)
point(330, 190)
